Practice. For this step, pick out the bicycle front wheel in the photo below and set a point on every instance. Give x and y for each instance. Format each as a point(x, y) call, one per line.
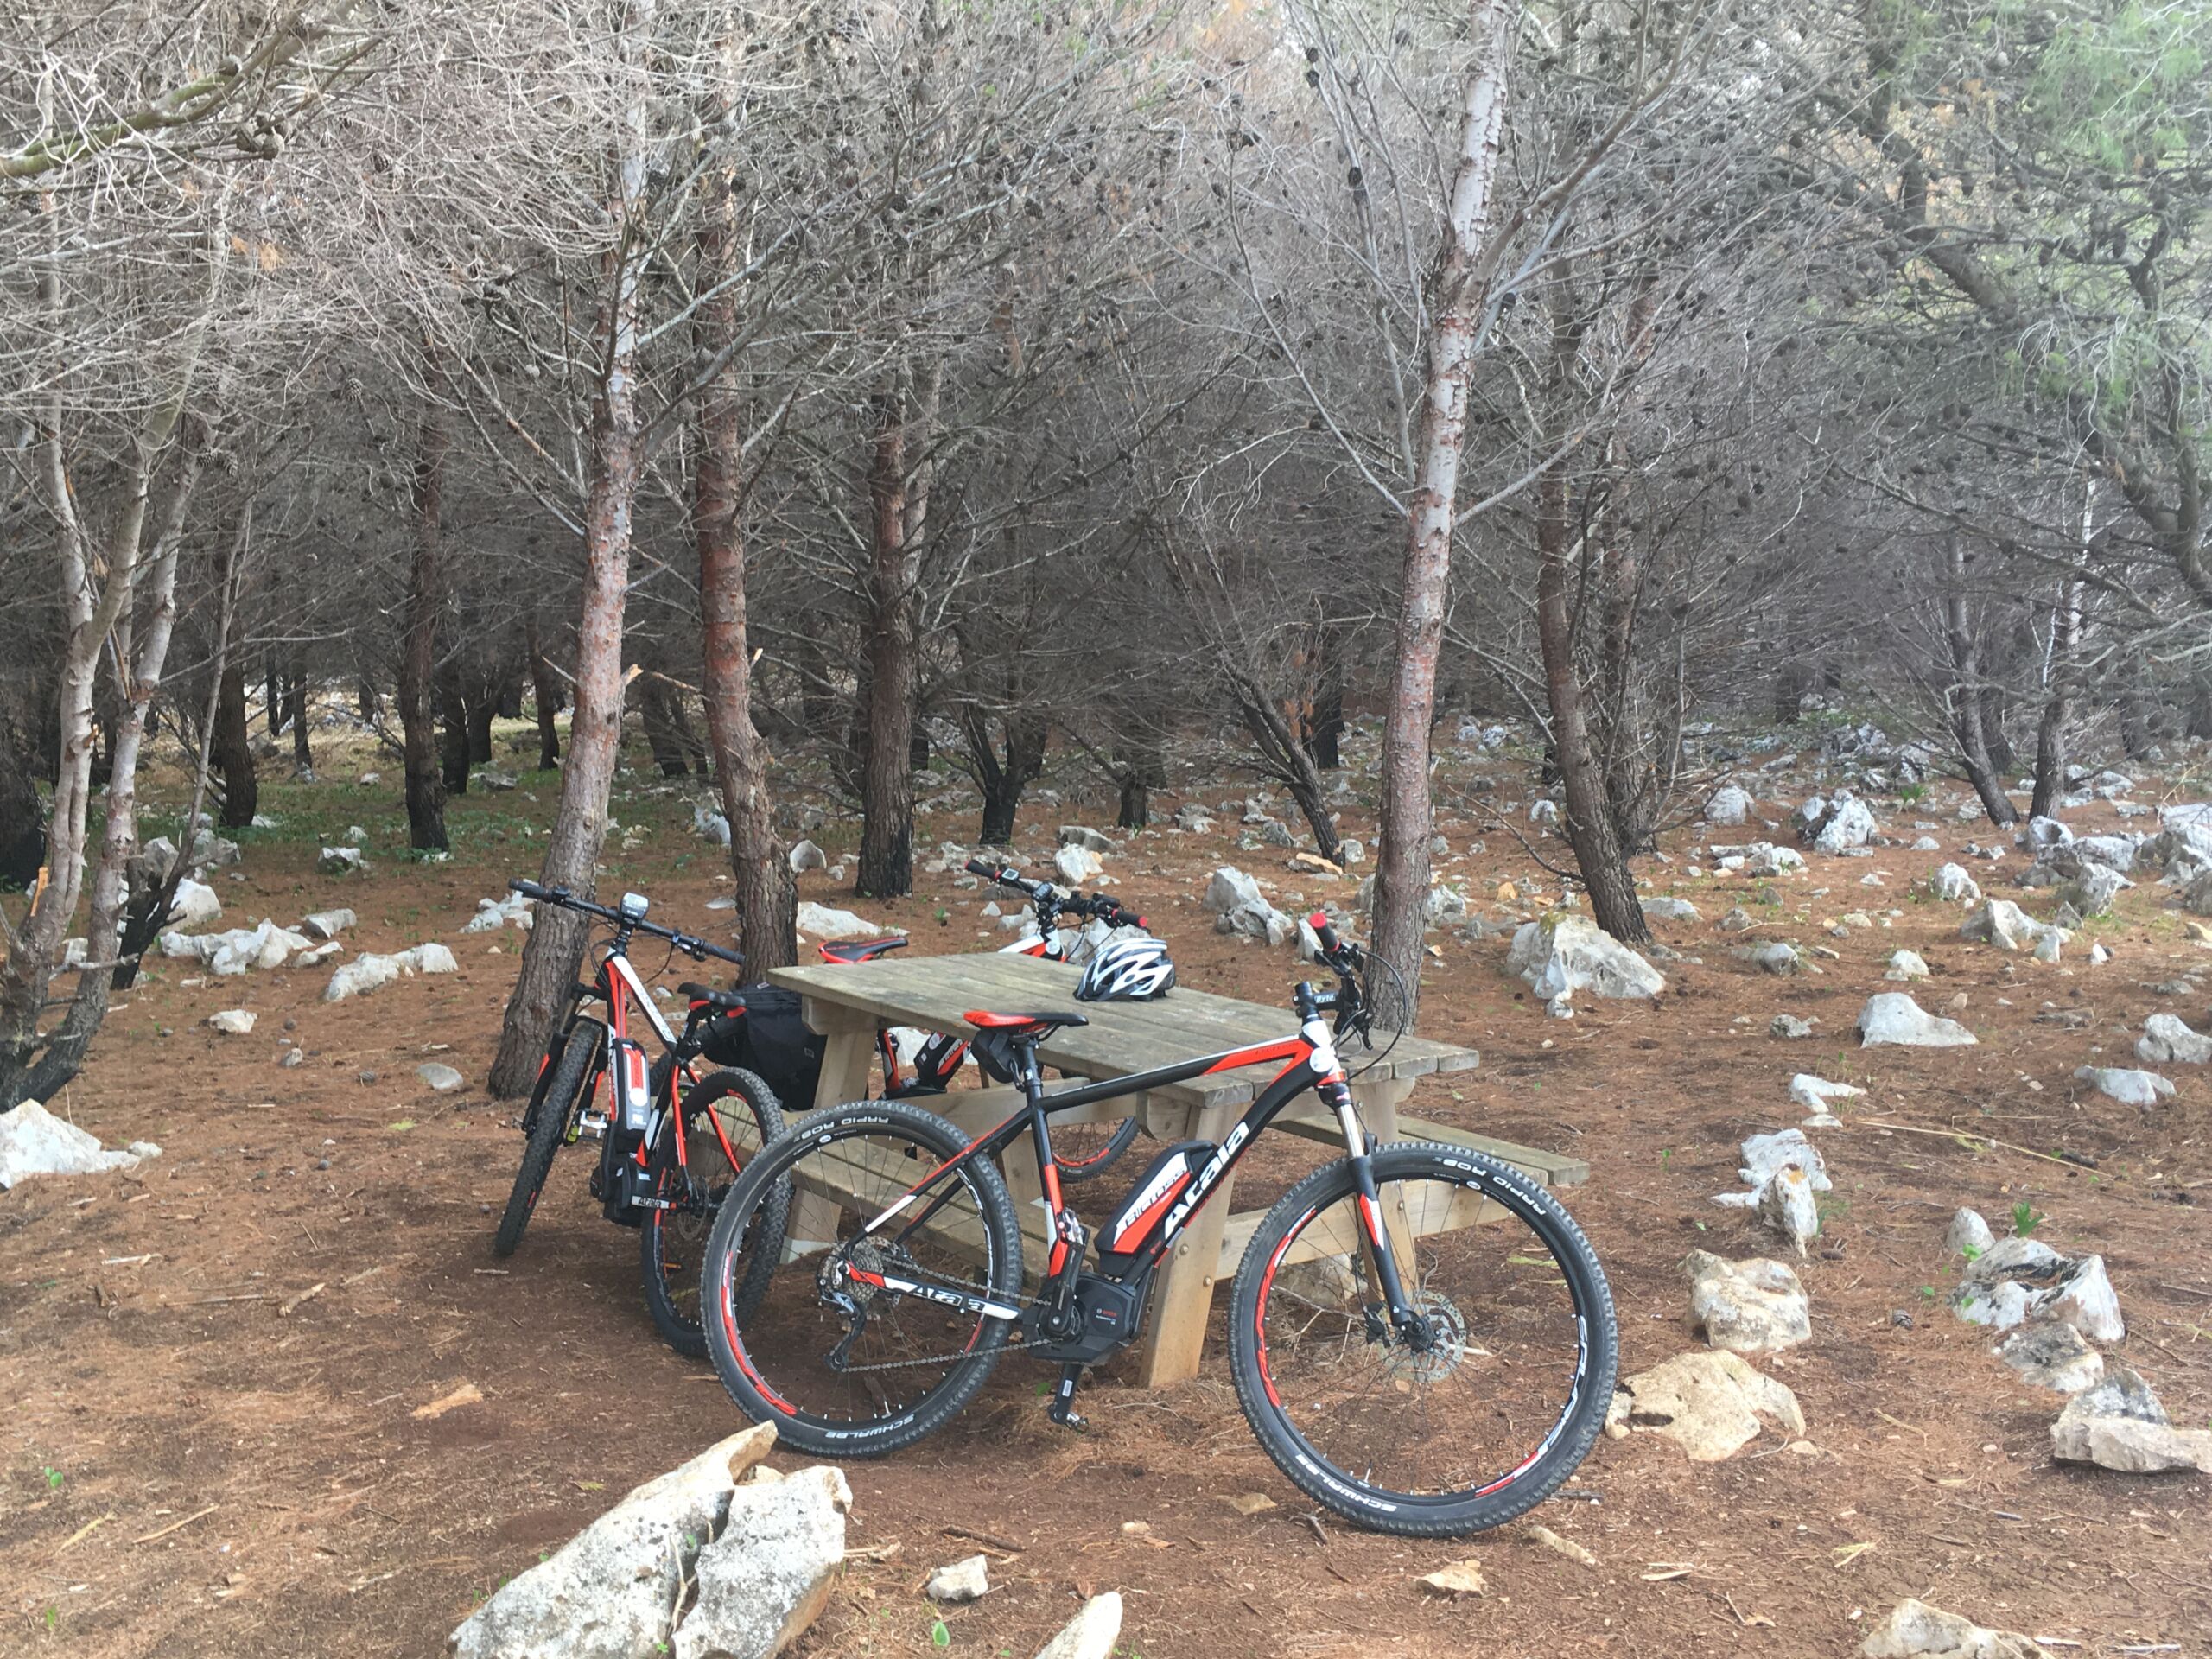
point(550, 1114)
point(728, 1116)
point(861, 1342)
point(1494, 1406)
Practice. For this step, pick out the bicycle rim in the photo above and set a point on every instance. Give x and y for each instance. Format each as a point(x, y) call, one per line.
point(1519, 1324)
point(829, 1345)
point(694, 1193)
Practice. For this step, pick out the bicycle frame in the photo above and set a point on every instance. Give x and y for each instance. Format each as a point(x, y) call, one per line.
point(1156, 1217)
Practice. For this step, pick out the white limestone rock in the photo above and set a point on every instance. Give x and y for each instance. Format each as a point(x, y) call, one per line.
point(821, 922)
point(1893, 1019)
point(1747, 1307)
point(2125, 1085)
point(33, 1141)
point(1561, 954)
point(2167, 1040)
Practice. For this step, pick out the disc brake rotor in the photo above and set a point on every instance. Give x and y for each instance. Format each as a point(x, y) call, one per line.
point(1448, 1346)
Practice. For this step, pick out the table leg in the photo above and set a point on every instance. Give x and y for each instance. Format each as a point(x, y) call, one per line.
point(1182, 1296)
point(848, 1057)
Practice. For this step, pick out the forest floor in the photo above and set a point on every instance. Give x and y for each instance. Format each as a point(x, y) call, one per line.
point(217, 1363)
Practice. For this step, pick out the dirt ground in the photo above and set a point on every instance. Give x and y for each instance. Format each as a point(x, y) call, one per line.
point(217, 1362)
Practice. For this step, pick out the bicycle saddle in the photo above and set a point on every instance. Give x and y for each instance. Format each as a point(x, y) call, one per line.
point(858, 949)
point(1021, 1026)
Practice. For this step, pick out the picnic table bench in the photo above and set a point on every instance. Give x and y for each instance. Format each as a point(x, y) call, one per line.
point(847, 1004)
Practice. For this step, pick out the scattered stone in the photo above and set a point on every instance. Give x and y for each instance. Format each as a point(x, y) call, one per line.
point(33, 1141)
point(1076, 865)
point(2019, 1278)
point(1562, 954)
point(1775, 957)
point(1710, 1404)
point(2005, 924)
point(1672, 910)
point(1238, 908)
point(2167, 1040)
point(1815, 1094)
point(1785, 1203)
point(341, 860)
point(1351, 851)
point(241, 949)
point(441, 1078)
point(963, 1581)
point(1275, 833)
point(290, 1058)
point(1737, 920)
point(370, 973)
point(1747, 1307)
point(233, 1022)
point(2125, 1085)
point(1968, 1236)
point(195, 904)
point(493, 914)
point(1459, 1578)
point(823, 923)
point(356, 837)
point(1788, 1025)
point(1954, 885)
point(1091, 1634)
point(1906, 966)
point(710, 824)
point(327, 924)
point(2047, 947)
point(2052, 1354)
point(1729, 805)
point(1543, 811)
point(1914, 1628)
point(2092, 891)
point(495, 781)
point(1851, 824)
point(1891, 1018)
point(805, 856)
point(2119, 1425)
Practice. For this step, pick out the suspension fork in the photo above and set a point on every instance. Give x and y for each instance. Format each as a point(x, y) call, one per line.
point(1404, 1317)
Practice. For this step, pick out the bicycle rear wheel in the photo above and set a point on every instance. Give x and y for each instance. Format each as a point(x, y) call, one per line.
point(672, 1242)
point(1480, 1425)
point(859, 1344)
point(554, 1109)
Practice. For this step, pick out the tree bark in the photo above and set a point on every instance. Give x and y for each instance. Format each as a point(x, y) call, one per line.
point(550, 955)
point(545, 692)
point(766, 894)
point(426, 792)
point(663, 736)
point(1327, 744)
point(1000, 781)
point(2051, 730)
point(453, 731)
point(1964, 696)
point(234, 750)
point(1590, 826)
point(295, 713)
point(898, 488)
point(1456, 292)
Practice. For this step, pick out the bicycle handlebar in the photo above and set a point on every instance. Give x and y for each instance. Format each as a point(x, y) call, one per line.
point(697, 948)
point(1045, 896)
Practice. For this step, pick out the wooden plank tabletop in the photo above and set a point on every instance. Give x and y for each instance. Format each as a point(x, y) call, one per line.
point(934, 993)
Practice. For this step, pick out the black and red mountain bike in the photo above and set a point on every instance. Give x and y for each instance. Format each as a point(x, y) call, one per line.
point(1406, 1367)
point(672, 1141)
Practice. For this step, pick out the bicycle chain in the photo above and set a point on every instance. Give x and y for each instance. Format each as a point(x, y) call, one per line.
point(943, 1359)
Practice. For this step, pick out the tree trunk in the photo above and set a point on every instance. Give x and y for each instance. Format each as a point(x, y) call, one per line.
point(1000, 781)
point(545, 692)
point(898, 498)
point(1327, 745)
point(1592, 828)
point(1457, 291)
point(550, 955)
point(483, 708)
point(295, 714)
point(453, 731)
point(766, 894)
point(662, 737)
point(2051, 730)
point(1140, 771)
point(234, 750)
point(1964, 697)
point(426, 792)
point(1991, 712)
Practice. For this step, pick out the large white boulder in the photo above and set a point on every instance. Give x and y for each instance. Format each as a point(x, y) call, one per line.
point(1893, 1018)
point(1238, 908)
point(770, 1568)
point(2119, 1425)
point(2167, 1039)
point(33, 1141)
point(611, 1591)
point(1710, 1404)
point(195, 904)
point(2005, 924)
point(1954, 885)
point(493, 914)
point(1091, 1634)
point(1747, 1307)
point(821, 922)
point(1729, 805)
point(1851, 824)
point(1076, 864)
point(1560, 953)
point(2125, 1085)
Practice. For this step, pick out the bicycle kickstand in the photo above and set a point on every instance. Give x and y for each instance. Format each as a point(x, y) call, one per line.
point(1061, 1410)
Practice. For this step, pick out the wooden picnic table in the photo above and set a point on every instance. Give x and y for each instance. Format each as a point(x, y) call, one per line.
point(848, 1003)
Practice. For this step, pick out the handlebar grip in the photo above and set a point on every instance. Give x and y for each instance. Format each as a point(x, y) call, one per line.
point(1326, 932)
point(529, 889)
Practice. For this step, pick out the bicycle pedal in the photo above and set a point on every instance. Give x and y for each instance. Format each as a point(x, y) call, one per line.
point(1069, 1420)
point(1061, 1410)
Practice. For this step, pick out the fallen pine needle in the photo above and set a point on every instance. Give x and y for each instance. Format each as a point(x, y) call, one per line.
point(1849, 1553)
point(1660, 1572)
point(990, 1538)
point(84, 1532)
point(177, 1526)
point(1895, 1422)
point(1963, 1137)
point(466, 1395)
point(307, 1295)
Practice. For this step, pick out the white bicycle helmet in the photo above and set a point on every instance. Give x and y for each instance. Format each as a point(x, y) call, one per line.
point(1127, 970)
